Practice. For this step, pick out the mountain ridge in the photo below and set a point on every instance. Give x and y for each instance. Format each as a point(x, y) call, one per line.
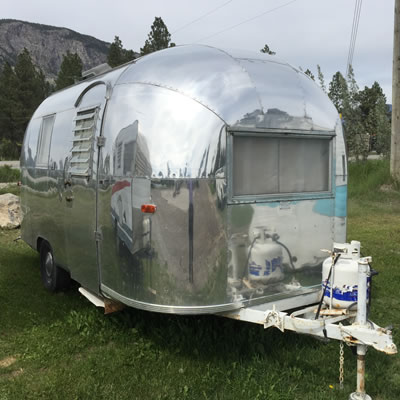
point(47, 44)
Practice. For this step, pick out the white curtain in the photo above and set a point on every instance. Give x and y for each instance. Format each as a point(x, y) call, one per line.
point(265, 165)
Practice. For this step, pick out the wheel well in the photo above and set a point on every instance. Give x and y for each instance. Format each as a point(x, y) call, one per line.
point(39, 242)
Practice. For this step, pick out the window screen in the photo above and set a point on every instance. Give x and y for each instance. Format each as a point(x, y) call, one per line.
point(43, 149)
point(266, 165)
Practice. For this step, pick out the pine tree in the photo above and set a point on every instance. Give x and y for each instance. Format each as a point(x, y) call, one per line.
point(22, 89)
point(374, 115)
point(310, 74)
point(8, 100)
point(267, 50)
point(356, 134)
point(345, 96)
point(338, 91)
point(70, 70)
point(369, 97)
point(383, 128)
point(159, 38)
point(8, 107)
point(321, 79)
point(117, 55)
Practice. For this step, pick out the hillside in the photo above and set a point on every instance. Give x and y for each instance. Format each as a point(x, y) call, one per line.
point(47, 44)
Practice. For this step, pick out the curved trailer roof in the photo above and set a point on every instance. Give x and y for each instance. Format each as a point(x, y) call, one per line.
point(245, 89)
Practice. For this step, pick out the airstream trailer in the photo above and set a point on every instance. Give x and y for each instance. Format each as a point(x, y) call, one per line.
point(196, 180)
point(239, 157)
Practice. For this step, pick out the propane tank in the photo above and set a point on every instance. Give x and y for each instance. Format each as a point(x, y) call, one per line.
point(265, 257)
point(342, 288)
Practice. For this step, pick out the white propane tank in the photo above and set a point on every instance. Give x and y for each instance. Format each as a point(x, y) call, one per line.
point(342, 288)
point(265, 257)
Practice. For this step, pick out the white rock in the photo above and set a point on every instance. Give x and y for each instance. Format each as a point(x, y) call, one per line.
point(10, 211)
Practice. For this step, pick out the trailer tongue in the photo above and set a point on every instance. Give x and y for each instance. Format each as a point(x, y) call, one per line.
point(334, 320)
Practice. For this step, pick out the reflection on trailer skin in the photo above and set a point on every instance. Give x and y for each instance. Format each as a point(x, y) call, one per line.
point(242, 155)
point(131, 189)
point(170, 233)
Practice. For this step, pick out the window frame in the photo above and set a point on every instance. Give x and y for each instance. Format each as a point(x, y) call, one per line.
point(279, 134)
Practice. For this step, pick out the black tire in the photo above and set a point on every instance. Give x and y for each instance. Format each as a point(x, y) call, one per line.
point(54, 278)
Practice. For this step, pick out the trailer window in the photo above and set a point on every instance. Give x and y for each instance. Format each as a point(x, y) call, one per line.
point(129, 152)
point(43, 148)
point(270, 165)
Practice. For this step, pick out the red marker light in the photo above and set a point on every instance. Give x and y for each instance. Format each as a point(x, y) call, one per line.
point(148, 208)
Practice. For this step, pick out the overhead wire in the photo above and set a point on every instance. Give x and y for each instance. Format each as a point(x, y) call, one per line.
point(245, 21)
point(354, 31)
point(201, 17)
point(356, 19)
point(356, 4)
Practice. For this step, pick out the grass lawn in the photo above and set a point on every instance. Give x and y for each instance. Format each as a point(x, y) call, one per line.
point(8, 174)
point(59, 346)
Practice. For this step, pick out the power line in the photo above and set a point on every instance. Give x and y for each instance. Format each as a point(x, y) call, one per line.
point(356, 19)
point(245, 21)
point(202, 16)
point(353, 38)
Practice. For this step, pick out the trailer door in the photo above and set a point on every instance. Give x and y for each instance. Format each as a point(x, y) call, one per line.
point(80, 184)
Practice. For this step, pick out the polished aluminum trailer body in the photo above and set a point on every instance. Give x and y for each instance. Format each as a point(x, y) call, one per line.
point(225, 144)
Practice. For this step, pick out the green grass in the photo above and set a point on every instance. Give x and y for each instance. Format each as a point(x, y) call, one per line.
point(62, 347)
point(366, 178)
point(8, 174)
point(14, 189)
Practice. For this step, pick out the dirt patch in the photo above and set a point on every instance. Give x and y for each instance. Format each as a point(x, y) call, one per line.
point(6, 362)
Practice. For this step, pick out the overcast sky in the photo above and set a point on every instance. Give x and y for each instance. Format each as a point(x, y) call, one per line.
point(304, 33)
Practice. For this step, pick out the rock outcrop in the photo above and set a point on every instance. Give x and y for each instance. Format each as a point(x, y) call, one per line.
point(47, 44)
point(10, 211)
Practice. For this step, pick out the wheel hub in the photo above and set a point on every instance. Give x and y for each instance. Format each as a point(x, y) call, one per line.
point(48, 264)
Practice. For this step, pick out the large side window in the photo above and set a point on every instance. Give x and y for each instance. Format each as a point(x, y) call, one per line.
point(280, 165)
point(43, 146)
point(83, 141)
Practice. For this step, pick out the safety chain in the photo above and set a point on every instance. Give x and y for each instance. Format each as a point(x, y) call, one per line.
point(341, 365)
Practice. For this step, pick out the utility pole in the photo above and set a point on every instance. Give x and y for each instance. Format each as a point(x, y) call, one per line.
point(395, 142)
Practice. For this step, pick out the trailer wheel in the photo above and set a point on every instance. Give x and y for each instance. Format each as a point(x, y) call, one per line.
point(54, 278)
